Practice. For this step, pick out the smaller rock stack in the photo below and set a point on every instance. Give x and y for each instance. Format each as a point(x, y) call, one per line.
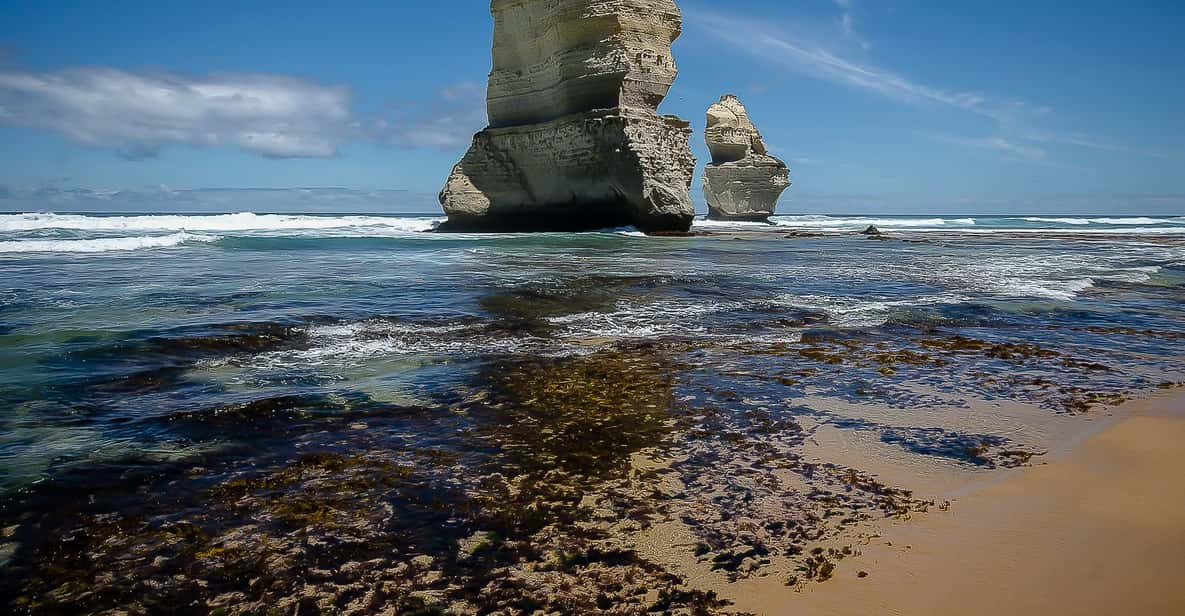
point(743, 182)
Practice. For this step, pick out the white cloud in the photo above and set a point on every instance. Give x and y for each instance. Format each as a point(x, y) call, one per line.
point(266, 114)
point(164, 199)
point(271, 115)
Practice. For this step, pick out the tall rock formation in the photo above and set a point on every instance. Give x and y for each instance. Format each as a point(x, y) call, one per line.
point(743, 182)
point(574, 138)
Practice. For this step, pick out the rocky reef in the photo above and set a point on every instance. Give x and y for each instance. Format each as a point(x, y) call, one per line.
point(743, 182)
point(574, 138)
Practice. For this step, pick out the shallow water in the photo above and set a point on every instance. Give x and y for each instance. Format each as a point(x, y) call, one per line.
point(183, 395)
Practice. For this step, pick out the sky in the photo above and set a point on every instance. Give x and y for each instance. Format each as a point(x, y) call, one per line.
point(878, 106)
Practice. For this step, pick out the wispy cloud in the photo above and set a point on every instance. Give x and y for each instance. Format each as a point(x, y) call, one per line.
point(812, 52)
point(1094, 143)
point(272, 115)
point(794, 51)
point(450, 120)
point(1013, 149)
point(847, 22)
point(464, 91)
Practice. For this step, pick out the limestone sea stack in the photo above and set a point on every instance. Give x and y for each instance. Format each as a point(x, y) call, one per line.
point(743, 182)
point(574, 138)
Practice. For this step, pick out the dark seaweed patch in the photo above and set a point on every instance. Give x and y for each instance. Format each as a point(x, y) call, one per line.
point(149, 362)
point(526, 309)
point(583, 415)
point(307, 529)
point(971, 448)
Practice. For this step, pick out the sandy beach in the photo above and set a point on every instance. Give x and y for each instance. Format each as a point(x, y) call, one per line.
point(1098, 529)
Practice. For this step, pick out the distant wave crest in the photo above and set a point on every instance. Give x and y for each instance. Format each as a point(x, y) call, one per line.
point(861, 222)
point(964, 224)
point(1138, 220)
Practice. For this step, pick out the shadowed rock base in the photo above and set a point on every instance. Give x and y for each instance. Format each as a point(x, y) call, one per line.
point(568, 218)
point(592, 170)
point(746, 190)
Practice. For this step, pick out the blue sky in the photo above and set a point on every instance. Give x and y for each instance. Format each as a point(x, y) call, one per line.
point(878, 106)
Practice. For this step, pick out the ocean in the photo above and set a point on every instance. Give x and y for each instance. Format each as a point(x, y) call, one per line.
point(231, 410)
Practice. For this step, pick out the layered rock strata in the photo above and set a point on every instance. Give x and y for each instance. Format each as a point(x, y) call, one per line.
point(574, 138)
point(743, 182)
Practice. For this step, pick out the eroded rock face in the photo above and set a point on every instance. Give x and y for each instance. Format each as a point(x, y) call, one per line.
point(743, 182)
point(575, 140)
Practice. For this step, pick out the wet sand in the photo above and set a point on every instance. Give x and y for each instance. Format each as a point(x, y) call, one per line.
point(1098, 529)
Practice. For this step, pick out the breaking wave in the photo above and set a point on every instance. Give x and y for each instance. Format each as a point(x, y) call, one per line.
point(107, 244)
point(224, 223)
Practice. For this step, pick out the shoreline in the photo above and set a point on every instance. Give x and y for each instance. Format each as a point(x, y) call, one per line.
point(1095, 529)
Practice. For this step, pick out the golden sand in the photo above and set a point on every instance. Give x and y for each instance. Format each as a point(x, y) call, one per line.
point(1099, 529)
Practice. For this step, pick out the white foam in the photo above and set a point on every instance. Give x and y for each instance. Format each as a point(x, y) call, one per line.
point(356, 343)
point(1039, 224)
point(1060, 290)
point(224, 223)
point(1055, 221)
point(728, 224)
point(108, 244)
point(848, 311)
point(1079, 230)
point(844, 223)
point(1133, 274)
point(650, 320)
point(1130, 221)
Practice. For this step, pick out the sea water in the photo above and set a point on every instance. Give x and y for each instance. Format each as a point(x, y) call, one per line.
point(148, 362)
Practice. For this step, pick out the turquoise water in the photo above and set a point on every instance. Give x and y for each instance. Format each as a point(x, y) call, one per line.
point(159, 355)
